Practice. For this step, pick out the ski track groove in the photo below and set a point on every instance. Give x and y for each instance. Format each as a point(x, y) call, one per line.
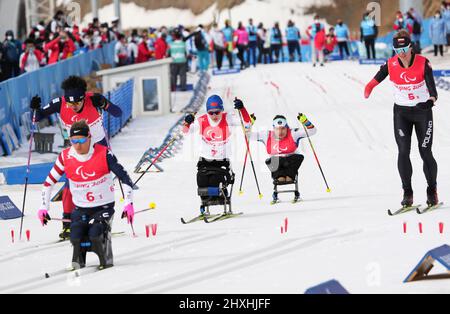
point(255, 257)
point(179, 242)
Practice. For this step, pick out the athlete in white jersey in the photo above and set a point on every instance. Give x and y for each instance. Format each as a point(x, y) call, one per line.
point(89, 169)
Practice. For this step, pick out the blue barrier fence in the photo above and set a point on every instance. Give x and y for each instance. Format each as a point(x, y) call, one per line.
point(16, 93)
point(122, 97)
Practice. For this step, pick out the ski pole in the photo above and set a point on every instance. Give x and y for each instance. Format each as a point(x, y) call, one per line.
point(174, 138)
point(61, 220)
point(33, 123)
point(250, 155)
point(156, 159)
point(241, 192)
point(315, 155)
point(108, 141)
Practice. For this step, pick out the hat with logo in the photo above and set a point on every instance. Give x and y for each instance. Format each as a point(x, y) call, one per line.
point(80, 129)
point(401, 42)
point(214, 103)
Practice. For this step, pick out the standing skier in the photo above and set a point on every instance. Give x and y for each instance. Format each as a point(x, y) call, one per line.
point(88, 168)
point(77, 104)
point(215, 131)
point(282, 145)
point(415, 95)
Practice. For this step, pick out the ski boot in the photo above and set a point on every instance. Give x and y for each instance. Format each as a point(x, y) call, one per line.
point(407, 198)
point(275, 198)
point(296, 198)
point(65, 233)
point(432, 197)
point(203, 211)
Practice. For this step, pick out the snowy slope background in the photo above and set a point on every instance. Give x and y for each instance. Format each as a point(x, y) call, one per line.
point(345, 235)
point(267, 11)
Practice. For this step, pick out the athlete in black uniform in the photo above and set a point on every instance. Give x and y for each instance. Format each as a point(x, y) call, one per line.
point(415, 95)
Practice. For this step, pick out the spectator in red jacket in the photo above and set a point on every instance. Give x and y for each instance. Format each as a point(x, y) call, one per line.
point(161, 47)
point(144, 53)
point(319, 46)
point(330, 42)
point(402, 23)
point(32, 59)
point(60, 48)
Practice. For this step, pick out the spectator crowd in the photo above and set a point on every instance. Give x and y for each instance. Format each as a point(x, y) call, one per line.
point(195, 49)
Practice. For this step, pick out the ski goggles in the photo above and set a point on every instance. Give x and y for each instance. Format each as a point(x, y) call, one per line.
point(80, 141)
point(74, 103)
point(280, 123)
point(214, 113)
point(402, 50)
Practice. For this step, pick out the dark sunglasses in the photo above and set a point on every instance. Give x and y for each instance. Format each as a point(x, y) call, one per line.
point(214, 113)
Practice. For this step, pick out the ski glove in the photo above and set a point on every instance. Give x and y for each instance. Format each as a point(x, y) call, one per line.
point(128, 212)
point(189, 119)
point(427, 105)
point(253, 118)
point(304, 120)
point(370, 87)
point(36, 103)
point(99, 101)
point(238, 104)
point(44, 217)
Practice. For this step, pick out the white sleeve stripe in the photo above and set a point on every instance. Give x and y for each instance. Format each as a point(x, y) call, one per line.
point(55, 175)
point(59, 165)
point(50, 181)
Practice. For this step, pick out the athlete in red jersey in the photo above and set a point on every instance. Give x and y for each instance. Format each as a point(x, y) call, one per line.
point(415, 95)
point(214, 129)
point(89, 169)
point(77, 104)
point(282, 145)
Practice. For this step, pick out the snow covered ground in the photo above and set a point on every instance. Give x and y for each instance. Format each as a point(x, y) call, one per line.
point(345, 234)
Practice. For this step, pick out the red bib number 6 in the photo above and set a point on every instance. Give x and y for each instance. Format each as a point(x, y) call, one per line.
point(90, 197)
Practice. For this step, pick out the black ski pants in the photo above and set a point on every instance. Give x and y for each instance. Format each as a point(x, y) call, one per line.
point(405, 119)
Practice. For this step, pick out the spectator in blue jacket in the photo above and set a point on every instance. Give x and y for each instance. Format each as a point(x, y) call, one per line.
point(369, 32)
point(12, 49)
point(276, 43)
point(293, 41)
point(438, 33)
point(1, 63)
point(343, 36)
point(252, 31)
point(446, 15)
point(228, 32)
